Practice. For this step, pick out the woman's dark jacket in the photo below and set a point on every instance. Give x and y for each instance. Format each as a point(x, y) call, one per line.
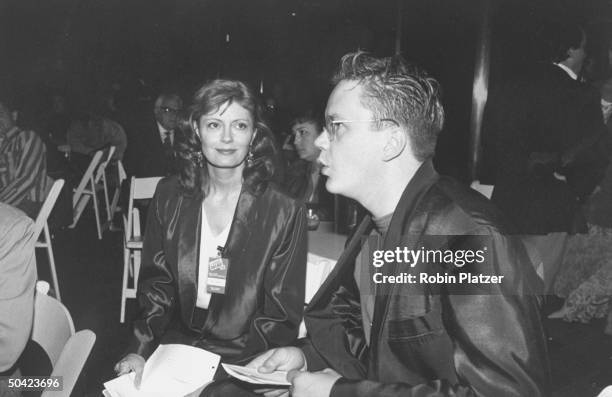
point(264, 298)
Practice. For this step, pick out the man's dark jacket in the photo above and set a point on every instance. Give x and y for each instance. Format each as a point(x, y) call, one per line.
point(541, 123)
point(434, 339)
point(146, 155)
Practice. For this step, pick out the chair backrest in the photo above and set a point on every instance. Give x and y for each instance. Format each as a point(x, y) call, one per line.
point(485, 190)
point(68, 351)
point(140, 188)
point(52, 325)
point(78, 192)
point(144, 188)
point(47, 206)
point(607, 392)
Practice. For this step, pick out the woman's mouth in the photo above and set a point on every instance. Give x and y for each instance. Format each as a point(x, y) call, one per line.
point(226, 151)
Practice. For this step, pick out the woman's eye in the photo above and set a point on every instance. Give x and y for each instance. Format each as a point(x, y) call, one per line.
point(212, 125)
point(242, 126)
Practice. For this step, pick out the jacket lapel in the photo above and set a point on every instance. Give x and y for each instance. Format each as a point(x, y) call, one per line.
point(401, 234)
point(235, 246)
point(190, 220)
point(343, 266)
point(189, 226)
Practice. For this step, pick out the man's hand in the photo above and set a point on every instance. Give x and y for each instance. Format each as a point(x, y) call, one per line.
point(312, 384)
point(129, 363)
point(281, 359)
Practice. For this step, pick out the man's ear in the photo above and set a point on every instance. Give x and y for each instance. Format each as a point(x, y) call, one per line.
point(397, 140)
point(15, 115)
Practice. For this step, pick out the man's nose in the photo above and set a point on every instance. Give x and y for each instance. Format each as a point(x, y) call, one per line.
point(322, 141)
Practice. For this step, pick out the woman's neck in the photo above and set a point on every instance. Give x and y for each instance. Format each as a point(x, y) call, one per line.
point(224, 181)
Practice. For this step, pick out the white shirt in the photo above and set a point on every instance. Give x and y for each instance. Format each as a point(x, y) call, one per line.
point(162, 133)
point(569, 71)
point(208, 249)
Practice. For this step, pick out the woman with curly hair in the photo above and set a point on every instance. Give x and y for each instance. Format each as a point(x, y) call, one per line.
point(222, 209)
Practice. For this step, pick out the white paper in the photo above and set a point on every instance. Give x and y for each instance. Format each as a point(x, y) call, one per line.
point(171, 371)
point(251, 375)
point(317, 270)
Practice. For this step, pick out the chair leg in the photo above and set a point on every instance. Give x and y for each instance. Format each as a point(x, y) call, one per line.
point(126, 265)
point(52, 261)
point(79, 207)
point(115, 201)
point(96, 209)
point(106, 200)
point(137, 256)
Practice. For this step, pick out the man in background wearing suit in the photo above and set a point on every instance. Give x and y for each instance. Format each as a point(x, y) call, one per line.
point(546, 132)
point(151, 144)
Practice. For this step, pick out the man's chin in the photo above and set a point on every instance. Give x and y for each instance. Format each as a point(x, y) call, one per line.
point(330, 186)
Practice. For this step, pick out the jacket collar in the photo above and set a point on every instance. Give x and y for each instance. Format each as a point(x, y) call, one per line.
point(406, 229)
point(418, 185)
point(190, 225)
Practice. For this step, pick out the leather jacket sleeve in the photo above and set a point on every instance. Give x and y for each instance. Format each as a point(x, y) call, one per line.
point(341, 321)
point(156, 288)
point(276, 322)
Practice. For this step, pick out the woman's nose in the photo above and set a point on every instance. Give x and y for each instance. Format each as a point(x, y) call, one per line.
point(226, 134)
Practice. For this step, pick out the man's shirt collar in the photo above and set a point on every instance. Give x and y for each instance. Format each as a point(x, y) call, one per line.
point(162, 132)
point(569, 71)
point(424, 177)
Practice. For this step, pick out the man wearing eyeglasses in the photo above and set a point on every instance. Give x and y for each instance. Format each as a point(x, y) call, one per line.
point(390, 320)
point(151, 149)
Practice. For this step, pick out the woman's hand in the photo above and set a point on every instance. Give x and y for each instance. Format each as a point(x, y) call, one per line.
point(131, 362)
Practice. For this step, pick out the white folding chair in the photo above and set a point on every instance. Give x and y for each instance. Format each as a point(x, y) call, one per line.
point(485, 190)
point(42, 227)
point(140, 188)
point(53, 330)
point(101, 178)
point(85, 190)
point(121, 176)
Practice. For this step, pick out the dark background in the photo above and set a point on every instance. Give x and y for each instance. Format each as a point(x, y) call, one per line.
point(134, 48)
point(85, 49)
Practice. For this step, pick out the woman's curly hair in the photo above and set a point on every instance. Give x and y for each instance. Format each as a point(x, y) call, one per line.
point(192, 165)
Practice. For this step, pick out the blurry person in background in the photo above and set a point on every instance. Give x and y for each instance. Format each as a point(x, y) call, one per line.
point(221, 208)
point(153, 140)
point(91, 132)
point(303, 177)
point(585, 278)
point(545, 132)
point(23, 165)
point(17, 282)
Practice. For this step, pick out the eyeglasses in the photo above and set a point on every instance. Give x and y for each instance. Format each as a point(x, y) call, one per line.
point(333, 126)
point(166, 109)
